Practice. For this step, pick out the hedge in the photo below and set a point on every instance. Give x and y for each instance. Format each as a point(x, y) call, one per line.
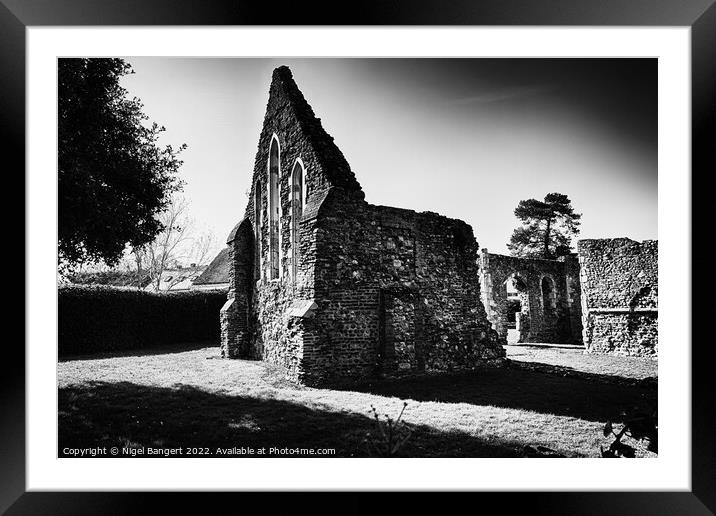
point(99, 318)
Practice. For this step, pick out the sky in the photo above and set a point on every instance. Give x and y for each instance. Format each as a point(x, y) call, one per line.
point(466, 138)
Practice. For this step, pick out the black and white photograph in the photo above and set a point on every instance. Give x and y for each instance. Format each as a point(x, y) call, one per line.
point(278, 248)
point(357, 257)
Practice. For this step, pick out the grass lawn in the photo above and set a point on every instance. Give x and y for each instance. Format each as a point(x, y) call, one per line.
point(188, 397)
point(573, 359)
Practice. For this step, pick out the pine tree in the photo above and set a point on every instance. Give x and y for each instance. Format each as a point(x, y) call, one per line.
point(547, 227)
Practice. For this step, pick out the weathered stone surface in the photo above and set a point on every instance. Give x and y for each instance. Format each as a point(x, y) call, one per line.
point(391, 292)
point(620, 295)
point(553, 316)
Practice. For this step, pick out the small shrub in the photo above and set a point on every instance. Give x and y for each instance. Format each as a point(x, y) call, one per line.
point(113, 278)
point(640, 426)
point(390, 434)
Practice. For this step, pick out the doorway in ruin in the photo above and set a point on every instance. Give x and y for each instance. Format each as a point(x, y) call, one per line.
point(516, 312)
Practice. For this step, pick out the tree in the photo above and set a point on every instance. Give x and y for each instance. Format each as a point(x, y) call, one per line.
point(113, 177)
point(547, 227)
point(178, 244)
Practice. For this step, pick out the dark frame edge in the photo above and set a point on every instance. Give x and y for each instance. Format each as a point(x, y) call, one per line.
point(12, 135)
point(703, 127)
point(702, 499)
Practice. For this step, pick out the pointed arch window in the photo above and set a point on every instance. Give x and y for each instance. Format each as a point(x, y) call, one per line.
point(257, 227)
point(297, 179)
point(273, 216)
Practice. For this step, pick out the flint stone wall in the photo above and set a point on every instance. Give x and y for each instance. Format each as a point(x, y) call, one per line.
point(398, 294)
point(620, 289)
point(538, 322)
point(379, 291)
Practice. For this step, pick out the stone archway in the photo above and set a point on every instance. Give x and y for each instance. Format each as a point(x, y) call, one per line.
point(516, 310)
point(547, 311)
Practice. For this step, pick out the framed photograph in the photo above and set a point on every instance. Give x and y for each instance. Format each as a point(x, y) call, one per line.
point(416, 250)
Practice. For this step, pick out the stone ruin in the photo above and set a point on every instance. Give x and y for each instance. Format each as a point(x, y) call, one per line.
point(605, 296)
point(334, 289)
point(620, 290)
point(546, 294)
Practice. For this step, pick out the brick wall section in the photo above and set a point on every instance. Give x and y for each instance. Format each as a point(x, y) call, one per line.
point(235, 315)
point(538, 323)
point(340, 342)
point(279, 339)
point(573, 296)
point(619, 279)
point(416, 275)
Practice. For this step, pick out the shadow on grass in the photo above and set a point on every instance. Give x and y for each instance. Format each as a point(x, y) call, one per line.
point(127, 414)
point(155, 350)
point(586, 396)
point(553, 369)
point(528, 345)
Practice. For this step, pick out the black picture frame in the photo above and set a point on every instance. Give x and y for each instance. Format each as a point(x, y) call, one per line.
point(700, 15)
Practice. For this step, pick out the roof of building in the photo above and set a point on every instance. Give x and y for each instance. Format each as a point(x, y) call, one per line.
point(176, 279)
point(217, 272)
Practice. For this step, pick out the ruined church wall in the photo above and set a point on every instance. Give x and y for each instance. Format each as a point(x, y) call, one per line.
point(295, 142)
point(379, 291)
point(398, 294)
point(560, 323)
point(619, 280)
point(257, 321)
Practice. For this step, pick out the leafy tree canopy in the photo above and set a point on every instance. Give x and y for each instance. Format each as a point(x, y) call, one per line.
point(113, 177)
point(547, 227)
